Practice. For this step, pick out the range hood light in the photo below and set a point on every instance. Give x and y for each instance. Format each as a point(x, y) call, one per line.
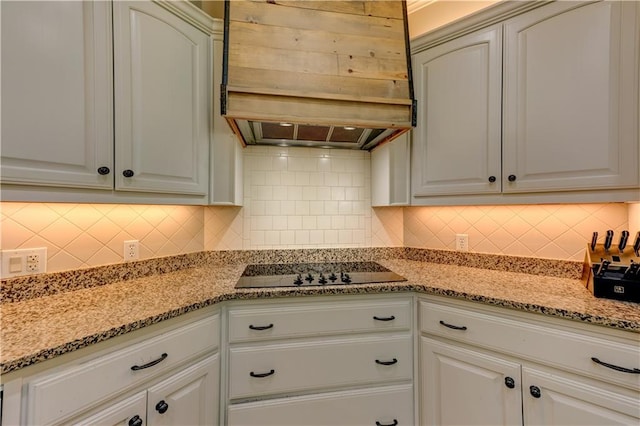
point(286, 124)
point(349, 128)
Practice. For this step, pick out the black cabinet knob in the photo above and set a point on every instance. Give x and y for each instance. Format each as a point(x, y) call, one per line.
point(535, 391)
point(509, 382)
point(162, 407)
point(103, 170)
point(512, 178)
point(128, 173)
point(135, 421)
point(492, 179)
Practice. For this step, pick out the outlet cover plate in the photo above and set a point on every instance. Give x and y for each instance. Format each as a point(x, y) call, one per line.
point(29, 262)
point(462, 242)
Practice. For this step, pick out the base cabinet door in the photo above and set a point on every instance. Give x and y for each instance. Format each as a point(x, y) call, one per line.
point(465, 387)
point(189, 397)
point(390, 405)
point(129, 412)
point(551, 399)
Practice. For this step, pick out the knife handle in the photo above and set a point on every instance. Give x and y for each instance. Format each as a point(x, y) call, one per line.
point(623, 240)
point(636, 244)
point(594, 240)
point(608, 240)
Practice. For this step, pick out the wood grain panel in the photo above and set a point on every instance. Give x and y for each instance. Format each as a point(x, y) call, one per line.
point(368, 67)
point(388, 9)
point(292, 17)
point(352, 7)
point(283, 60)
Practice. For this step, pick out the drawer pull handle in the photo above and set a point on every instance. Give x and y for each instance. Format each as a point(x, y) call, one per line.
point(391, 318)
point(453, 327)
point(535, 391)
point(260, 327)
point(135, 421)
point(395, 423)
point(393, 361)
point(615, 367)
point(162, 407)
point(150, 364)
point(252, 374)
point(509, 382)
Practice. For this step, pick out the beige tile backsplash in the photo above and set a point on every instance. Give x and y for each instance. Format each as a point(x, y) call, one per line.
point(301, 208)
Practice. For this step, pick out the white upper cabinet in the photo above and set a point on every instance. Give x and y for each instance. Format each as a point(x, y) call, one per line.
point(57, 100)
point(456, 147)
point(162, 71)
point(390, 179)
point(571, 97)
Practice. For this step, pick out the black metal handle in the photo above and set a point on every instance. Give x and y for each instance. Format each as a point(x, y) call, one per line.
point(135, 421)
point(393, 361)
point(492, 179)
point(391, 318)
point(127, 173)
point(608, 239)
point(453, 327)
point(104, 171)
point(623, 240)
point(252, 374)
point(150, 364)
point(511, 178)
point(260, 327)
point(615, 367)
point(162, 407)
point(509, 382)
point(535, 391)
point(395, 423)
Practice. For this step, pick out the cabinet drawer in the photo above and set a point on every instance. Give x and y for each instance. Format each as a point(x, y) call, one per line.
point(53, 397)
point(385, 406)
point(296, 320)
point(558, 347)
point(313, 365)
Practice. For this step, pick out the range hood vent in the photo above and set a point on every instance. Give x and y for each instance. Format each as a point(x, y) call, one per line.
point(317, 73)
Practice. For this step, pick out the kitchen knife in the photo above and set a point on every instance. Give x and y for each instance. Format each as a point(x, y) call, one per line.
point(608, 240)
point(623, 241)
point(636, 245)
point(594, 240)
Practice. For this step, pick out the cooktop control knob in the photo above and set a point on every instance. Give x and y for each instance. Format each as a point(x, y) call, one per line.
point(333, 277)
point(298, 280)
point(322, 279)
point(308, 278)
point(345, 278)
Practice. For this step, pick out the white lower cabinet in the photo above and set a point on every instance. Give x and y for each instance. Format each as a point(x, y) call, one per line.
point(476, 367)
point(353, 366)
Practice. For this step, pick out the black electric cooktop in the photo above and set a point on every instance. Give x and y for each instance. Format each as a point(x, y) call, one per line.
point(315, 274)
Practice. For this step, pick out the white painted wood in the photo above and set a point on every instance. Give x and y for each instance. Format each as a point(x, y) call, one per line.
point(57, 101)
point(322, 363)
point(465, 387)
point(318, 319)
point(191, 394)
point(162, 78)
point(60, 394)
point(119, 413)
point(571, 97)
point(456, 144)
point(225, 187)
point(569, 400)
point(356, 407)
point(554, 346)
point(390, 173)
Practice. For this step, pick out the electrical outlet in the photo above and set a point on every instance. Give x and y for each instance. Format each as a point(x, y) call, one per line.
point(23, 262)
point(131, 250)
point(462, 242)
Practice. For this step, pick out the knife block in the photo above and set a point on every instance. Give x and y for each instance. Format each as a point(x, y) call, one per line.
point(613, 283)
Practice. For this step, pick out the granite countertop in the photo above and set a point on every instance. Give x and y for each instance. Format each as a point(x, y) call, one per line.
point(41, 328)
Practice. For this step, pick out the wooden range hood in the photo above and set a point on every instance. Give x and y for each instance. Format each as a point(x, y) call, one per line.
point(317, 73)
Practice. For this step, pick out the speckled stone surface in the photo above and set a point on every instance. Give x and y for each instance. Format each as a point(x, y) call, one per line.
point(35, 329)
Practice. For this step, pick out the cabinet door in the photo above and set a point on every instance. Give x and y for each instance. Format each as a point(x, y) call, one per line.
point(57, 123)
point(162, 77)
point(571, 97)
point(130, 412)
point(568, 401)
point(465, 387)
point(190, 397)
point(456, 144)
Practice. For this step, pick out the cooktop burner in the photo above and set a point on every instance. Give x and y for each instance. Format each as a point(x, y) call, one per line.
point(315, 274)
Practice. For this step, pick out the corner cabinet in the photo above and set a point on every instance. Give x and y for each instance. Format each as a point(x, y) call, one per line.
point(390, 177)
point(544, 102)
point(124, 110)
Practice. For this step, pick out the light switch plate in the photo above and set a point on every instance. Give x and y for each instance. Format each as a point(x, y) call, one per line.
point(23, 262)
